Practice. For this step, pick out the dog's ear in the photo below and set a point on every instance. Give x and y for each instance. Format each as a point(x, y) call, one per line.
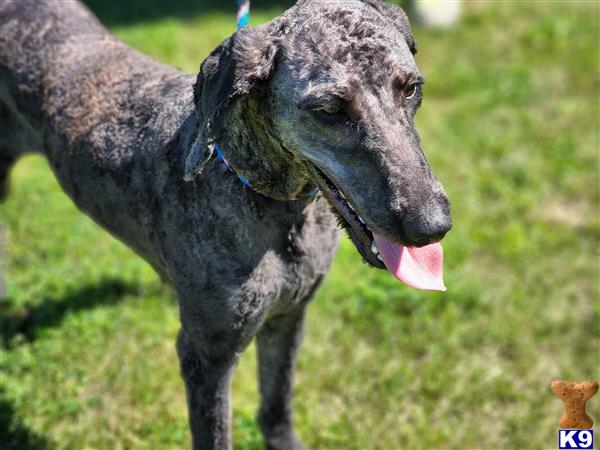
point(234, 69)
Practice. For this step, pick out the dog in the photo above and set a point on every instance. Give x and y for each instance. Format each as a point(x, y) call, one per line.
point(232, 184)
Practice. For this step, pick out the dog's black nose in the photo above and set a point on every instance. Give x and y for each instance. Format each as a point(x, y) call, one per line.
point(430, 226)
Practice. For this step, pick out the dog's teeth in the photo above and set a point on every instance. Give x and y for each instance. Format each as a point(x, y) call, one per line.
point(379, 258)
point(374, 248)
point(342, 195)
point(350, 206)
point(360, 219)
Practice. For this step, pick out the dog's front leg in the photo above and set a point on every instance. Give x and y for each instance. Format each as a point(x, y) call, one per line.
point(207, 377)
point(278, 342)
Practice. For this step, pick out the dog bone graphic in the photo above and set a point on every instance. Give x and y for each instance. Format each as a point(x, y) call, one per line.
point(575, 395)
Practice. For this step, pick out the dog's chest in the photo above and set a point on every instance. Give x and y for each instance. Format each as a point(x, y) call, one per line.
point(310, 247)
point(298, 259)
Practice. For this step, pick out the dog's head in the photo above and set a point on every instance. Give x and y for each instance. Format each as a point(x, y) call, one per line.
point(338, 89)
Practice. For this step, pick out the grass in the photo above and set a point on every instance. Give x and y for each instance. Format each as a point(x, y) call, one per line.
point(510, 125)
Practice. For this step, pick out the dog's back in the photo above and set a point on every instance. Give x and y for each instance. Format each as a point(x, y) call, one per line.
point(102, 113)
point(32, 34)
point(61, 69)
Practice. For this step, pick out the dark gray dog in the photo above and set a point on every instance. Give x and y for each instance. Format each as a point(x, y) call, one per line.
point(323, 96)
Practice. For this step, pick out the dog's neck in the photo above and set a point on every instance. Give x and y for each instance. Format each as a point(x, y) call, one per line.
point(256, 154)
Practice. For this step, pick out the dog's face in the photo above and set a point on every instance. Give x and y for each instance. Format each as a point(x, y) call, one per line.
point(343, 90)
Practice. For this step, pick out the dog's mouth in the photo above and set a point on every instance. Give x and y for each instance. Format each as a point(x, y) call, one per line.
point(420, 268)
point(350, 220)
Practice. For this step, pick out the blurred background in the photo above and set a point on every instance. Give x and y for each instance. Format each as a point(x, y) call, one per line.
point(510, 125)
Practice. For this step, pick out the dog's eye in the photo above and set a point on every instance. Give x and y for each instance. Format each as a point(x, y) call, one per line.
point(410, 91)
point(330, 114)
point(330, 109)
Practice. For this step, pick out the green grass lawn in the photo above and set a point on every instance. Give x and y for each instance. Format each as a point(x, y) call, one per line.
point(510, 125)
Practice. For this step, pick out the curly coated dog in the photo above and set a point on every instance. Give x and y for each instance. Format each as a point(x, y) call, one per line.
point(212, 179)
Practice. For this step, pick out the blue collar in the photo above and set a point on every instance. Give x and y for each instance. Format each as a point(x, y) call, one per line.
point(222, 158)
point(245, 180)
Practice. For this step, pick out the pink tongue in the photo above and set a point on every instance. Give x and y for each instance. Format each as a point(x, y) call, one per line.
point(420, 268)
